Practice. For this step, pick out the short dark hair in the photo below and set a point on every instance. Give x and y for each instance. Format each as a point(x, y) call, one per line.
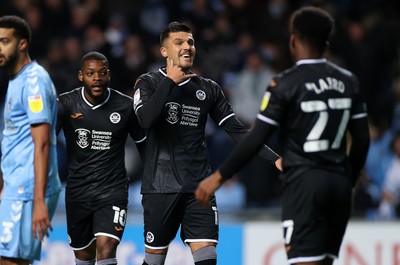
point(96, 56)
point(173, 27)
point(313, 26)
point(20, 26)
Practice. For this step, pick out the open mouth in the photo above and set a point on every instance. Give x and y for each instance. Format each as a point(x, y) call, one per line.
point(186, 57)
point(97, 87)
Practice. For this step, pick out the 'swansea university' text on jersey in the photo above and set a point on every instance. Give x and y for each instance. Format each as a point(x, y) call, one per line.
point(313, 101)
point(30, 99)
point(176, 154)
point(96, 137)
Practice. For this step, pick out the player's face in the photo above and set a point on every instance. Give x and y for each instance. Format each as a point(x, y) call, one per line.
point(8, 48)
point(95, 77)
point(179, 47)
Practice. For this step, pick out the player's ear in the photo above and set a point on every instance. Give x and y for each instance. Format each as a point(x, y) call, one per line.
point(80, 76)
point(163, 51)
point(23, 45)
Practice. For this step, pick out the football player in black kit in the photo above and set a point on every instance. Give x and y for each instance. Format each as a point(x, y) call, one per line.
point(315, 103)
point(96, 121)
point(173, 105)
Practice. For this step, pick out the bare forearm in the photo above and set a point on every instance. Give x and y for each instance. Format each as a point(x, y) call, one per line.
point(41, 140)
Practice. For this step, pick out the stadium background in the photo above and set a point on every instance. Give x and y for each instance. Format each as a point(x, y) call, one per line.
point(234, 38)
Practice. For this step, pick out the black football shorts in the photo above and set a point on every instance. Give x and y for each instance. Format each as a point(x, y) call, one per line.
point(87, 220)
point(316, 207)
point(165, 213)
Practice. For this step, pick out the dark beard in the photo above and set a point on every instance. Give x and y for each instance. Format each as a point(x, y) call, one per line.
point(12, 61)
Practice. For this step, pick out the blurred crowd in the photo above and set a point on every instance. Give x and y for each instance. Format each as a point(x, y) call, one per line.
point(240, 44)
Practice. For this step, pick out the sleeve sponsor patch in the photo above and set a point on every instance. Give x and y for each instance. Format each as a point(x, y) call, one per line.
point(265, 100)
point(35, 103)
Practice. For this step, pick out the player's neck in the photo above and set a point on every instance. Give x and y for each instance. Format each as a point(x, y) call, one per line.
point(22, 60)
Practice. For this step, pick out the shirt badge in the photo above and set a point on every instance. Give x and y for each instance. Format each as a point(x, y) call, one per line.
point(115, 117)
point(173, 112)
point(82, 137)
point(35, 103)
point(201, 95)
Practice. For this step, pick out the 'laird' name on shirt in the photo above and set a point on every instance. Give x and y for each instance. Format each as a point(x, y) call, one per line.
point(329, 83)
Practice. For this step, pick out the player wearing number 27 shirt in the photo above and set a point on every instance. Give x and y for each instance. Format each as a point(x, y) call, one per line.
point(315, 103)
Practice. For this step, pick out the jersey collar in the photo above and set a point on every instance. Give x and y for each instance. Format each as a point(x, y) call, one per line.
point(98, 105)
point(311, 61)
point(162, 70)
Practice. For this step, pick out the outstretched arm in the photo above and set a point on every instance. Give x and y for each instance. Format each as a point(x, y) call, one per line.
point(241, 154)
point(237, 131)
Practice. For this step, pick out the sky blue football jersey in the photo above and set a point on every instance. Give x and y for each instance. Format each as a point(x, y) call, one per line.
point(31, 99)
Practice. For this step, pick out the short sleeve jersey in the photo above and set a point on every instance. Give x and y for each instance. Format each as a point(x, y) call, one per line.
point(30, 99)
point(313, 103)
point(176, 154)
point(96, 137)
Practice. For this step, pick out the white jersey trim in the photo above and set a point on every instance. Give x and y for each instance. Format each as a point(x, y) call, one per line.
point(267, 120)
point(141, 140)
point(310, 259)
point(359, 116)
point(311, 61)
point(107, 235)
point(181, 83)
point(200, 240)
point(99, 105)
point(86, 245)
point(224, 119)
point(150, 247)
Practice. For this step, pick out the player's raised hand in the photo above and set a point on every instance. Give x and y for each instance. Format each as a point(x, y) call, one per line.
point(207, 187)
point(176, 73)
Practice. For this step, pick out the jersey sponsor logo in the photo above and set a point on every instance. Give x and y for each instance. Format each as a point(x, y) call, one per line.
point(265, 100)
point(115, 117)
point(35, 103)
point(118, 229)
point(329, 83)
point(190, 115)
point(82, 137)
point(101, 140)
point(149, 237)
point(76, 115)
point(173, 112)
point(201, 95)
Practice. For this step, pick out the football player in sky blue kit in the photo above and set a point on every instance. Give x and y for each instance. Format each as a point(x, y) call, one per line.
point(29, 160)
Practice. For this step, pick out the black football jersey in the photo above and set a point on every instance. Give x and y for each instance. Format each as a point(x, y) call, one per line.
point(95, 138)
point(313, 102)
point(176, 155)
